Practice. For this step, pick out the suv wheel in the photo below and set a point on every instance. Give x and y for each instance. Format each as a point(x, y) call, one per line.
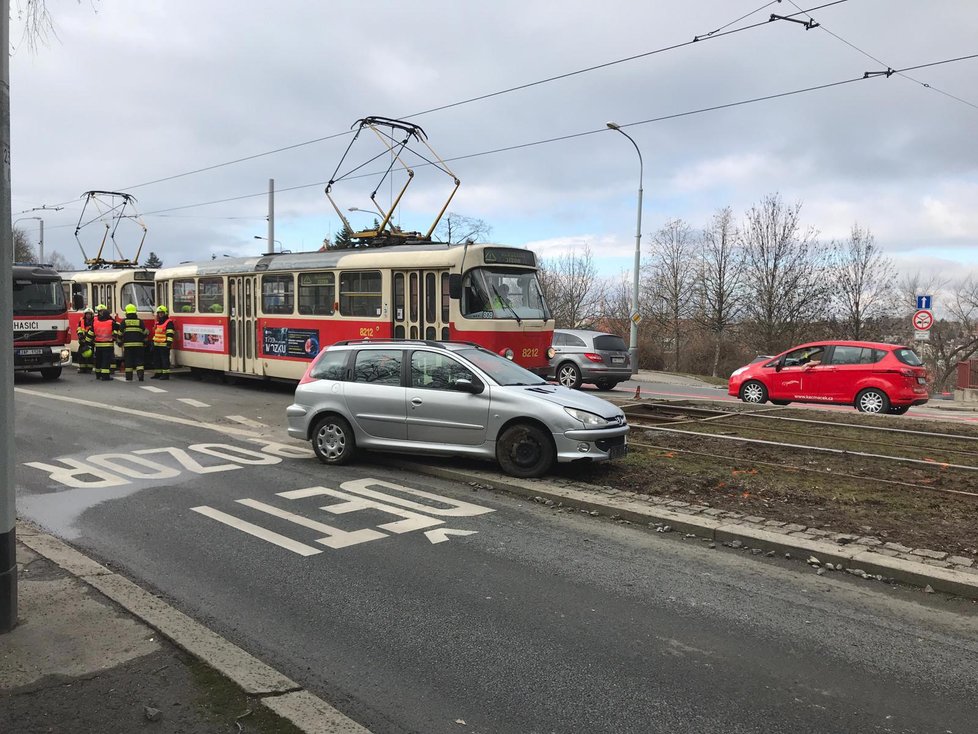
point(569, 375)
point(605, 385)
point(333, 441)
point(753, 392)
point(525, 450)
point(899, 409)
point(872, 401)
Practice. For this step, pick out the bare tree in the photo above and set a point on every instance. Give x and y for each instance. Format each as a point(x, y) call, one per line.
point(617, 307)
point(719, 296)
point(455, 229)
point(955, 338)
point(573, 290)
point(863, 279)
point(672, 271)
point(23, 249)
point(785, 287)
point(59, 262)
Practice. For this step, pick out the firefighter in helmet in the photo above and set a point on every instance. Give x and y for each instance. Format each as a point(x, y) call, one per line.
point(107, 331)
point(164, 332)
point(86, 342)
point(134, 335)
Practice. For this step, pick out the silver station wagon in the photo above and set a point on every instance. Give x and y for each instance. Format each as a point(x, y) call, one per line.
point(448, 398)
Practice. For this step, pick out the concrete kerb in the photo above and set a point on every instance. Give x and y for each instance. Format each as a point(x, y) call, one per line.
point(276, 691)
point(720, 531)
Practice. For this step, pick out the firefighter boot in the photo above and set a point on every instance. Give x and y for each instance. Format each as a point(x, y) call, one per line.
point(139, 374)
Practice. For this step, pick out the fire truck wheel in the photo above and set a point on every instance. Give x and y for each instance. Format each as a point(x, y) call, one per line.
point(51, 373)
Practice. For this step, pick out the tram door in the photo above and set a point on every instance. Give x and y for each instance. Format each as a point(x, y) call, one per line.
point(421, 304)
point(242, 302)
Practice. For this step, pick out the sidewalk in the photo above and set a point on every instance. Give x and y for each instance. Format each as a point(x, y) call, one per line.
point(672, 378)
point(87, 656)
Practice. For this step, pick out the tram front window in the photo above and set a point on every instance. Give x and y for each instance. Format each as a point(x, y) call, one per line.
point(492, 293)
point(141, 294)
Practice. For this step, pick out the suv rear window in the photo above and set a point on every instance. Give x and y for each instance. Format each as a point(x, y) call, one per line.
point(609, 343)
point(908, 356)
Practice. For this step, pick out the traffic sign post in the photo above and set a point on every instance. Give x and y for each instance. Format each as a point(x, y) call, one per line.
point(923, 320)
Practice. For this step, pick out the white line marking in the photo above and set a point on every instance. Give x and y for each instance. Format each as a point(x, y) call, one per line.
point(245, 421)
point(151, 388)
point(440, 535)
point(335, 537)
point(165, 417)
point(193, 403)
point(280, 540)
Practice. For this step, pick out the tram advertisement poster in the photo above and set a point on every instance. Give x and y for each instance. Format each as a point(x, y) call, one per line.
point(287, 342)
point(203, 337)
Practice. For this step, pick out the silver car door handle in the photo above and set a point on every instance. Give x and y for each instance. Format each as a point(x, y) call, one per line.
point(416, 401)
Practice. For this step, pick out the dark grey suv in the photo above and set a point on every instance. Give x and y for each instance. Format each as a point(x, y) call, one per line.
point(589, 356)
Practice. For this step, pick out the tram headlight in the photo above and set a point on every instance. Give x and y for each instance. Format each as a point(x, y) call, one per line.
point(551, 352)
point(507, 353)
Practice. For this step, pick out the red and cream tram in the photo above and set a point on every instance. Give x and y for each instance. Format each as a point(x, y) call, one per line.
point(114, 287)
point(269, 315)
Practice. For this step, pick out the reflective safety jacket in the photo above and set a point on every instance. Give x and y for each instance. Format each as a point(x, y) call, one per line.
point(86, 335)
point(164, 333)
point(134, 333)
point(106, 330)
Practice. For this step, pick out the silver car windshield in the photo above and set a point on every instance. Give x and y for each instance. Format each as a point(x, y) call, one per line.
point(500, 369)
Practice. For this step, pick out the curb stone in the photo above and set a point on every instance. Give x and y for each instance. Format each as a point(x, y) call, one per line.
point(840, 549)
point(274, 690)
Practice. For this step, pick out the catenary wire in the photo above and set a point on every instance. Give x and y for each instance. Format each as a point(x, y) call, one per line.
point(868, 55)
point(719, 33)
point(662, 118)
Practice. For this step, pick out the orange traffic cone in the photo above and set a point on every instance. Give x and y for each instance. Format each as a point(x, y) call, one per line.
point(638, 392)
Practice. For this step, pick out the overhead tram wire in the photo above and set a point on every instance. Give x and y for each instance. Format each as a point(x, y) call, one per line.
point(868, 55)
point(728, 105)
point(718, 33)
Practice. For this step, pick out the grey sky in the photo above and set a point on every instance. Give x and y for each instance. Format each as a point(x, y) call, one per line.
point(132, 92)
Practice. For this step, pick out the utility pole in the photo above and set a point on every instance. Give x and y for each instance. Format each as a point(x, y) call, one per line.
point(271, 214)
point(8, 510)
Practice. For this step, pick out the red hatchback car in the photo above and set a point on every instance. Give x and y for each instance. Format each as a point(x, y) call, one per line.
point(874, 377)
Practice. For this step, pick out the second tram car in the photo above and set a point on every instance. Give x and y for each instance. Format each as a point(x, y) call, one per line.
point(269, 315)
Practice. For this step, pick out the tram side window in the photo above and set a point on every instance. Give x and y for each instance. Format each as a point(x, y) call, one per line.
point(360, 293)
point(184, 295)
point(278, 294)
point(210, 295)
point(317, 293)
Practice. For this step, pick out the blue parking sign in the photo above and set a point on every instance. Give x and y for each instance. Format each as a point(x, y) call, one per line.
point(924, 302)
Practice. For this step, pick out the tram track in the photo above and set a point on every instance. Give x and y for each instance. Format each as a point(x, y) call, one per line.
point(726, 427)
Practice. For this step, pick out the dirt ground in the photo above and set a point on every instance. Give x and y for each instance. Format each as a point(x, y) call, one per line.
point(892, 501)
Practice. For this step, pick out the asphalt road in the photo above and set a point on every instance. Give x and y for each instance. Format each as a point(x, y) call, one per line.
point(414, 604)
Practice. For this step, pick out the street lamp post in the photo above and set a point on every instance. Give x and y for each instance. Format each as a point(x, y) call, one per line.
point(634, 316)
point(40, 257)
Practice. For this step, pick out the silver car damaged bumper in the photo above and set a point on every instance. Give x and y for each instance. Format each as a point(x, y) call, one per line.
point(599, 444)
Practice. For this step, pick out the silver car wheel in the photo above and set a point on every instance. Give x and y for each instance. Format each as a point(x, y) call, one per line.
point(333, 440)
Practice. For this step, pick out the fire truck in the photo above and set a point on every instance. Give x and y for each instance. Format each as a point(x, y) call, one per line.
point(40, 321)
